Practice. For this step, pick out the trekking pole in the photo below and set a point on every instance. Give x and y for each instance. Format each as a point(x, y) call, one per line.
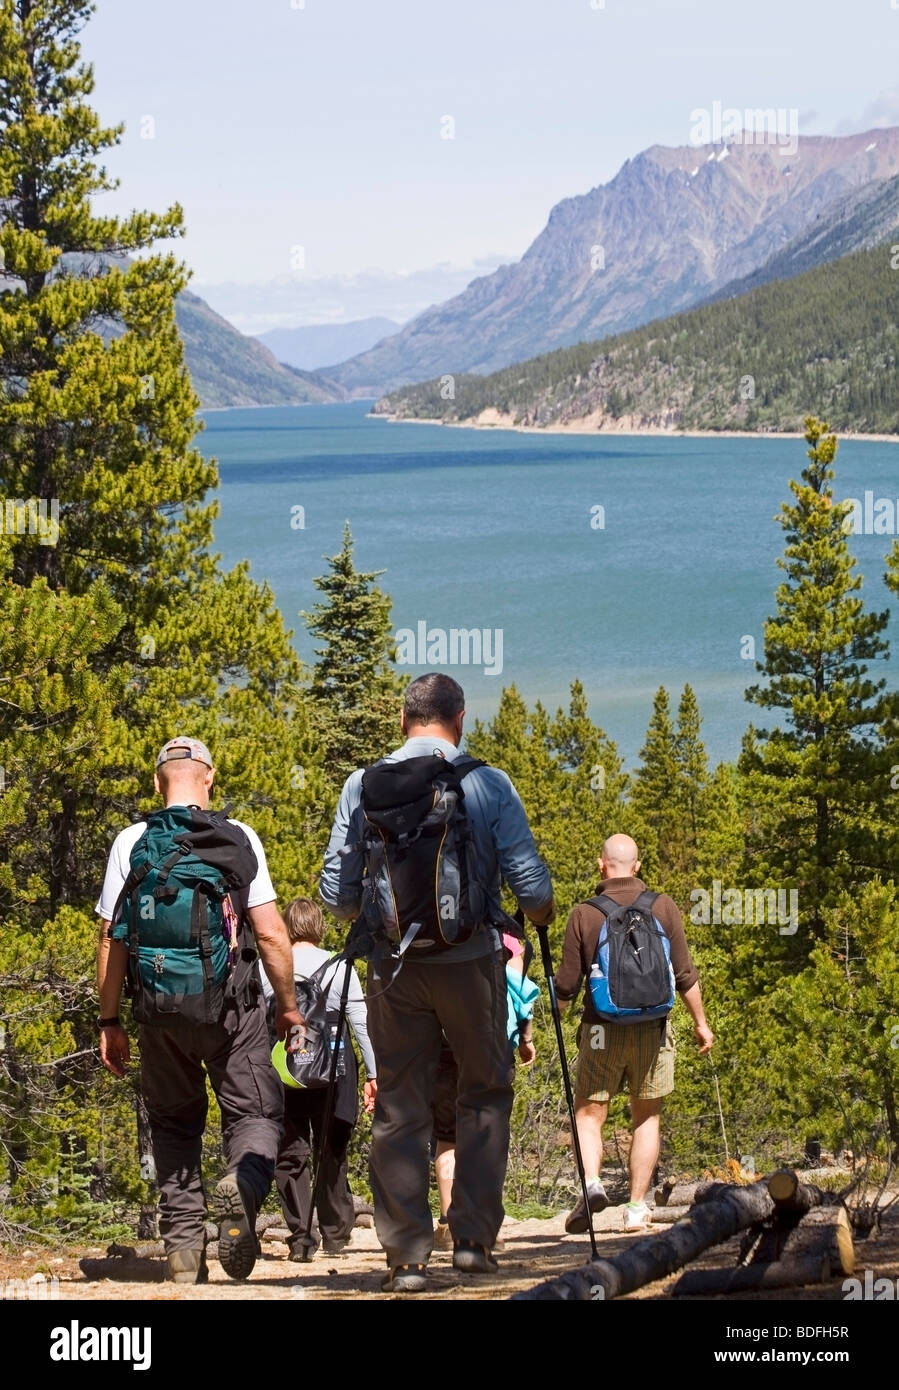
point(306, 1239)
point(543, 933)
point(720, 1111)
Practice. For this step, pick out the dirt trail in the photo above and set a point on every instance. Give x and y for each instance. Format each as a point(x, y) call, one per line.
point(533, 1250)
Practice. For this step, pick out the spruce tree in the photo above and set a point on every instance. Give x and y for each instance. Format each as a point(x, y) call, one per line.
point(811, 777)
point(355, 692)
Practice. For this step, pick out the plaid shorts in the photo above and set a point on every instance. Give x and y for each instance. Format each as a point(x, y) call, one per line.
point(643, 1053)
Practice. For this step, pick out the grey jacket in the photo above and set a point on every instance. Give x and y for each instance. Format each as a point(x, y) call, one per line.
point(503, 841)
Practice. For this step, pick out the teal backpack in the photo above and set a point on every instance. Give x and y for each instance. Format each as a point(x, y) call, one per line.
point(178, 916)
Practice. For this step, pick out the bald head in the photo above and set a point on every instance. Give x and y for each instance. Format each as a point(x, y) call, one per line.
point(620, 857)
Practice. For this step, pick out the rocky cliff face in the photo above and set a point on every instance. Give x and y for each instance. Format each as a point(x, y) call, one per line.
point(671, 228)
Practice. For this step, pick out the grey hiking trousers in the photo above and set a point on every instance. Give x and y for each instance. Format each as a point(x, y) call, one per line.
point(467, 1001)
point(238, 1062)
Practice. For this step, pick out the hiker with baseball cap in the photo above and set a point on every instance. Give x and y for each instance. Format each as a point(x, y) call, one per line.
point(187, 903)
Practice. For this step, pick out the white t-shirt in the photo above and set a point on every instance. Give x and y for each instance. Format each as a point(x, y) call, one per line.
point(261, 890)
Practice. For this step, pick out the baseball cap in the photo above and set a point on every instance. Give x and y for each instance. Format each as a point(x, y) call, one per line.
point(180, 748)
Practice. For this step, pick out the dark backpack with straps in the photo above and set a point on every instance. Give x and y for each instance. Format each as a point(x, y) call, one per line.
point(631, 979)
point(181, 914)
point(309, 1068)
point(419, 853)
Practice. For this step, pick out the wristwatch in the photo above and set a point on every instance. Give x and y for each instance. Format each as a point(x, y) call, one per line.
point(108, 1022)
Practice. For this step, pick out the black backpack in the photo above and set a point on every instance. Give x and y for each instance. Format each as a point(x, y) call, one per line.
point(310, 1068)
point(631, 979)
point(419, 860)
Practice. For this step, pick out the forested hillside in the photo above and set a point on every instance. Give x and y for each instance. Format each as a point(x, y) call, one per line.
point(826, 340)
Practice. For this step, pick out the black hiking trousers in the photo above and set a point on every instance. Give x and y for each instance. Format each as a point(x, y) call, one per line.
point(406, 1022)
point(304, 1119)
point(236, 1055)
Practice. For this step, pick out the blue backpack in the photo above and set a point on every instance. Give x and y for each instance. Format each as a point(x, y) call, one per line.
point(631, 979)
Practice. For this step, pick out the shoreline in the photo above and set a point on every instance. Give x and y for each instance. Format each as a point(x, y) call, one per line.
point(582, 427)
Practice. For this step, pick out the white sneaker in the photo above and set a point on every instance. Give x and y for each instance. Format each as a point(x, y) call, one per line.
point(637, 1218)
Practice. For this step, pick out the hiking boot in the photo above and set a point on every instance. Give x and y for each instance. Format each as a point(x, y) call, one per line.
point(301, 1250)
point(637, 1218)
point(577, 1222)
point(186, 1267)
point(473, 1258)
point(443, 1238)
point(238, 1246)
point(335, 1247)
point(405, 1279)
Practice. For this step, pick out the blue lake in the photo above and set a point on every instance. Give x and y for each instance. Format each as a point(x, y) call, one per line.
point(502, 532)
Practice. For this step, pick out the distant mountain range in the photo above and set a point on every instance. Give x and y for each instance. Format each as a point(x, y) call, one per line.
point(228, 369)
point(322, 343)
point(823, 342)
point(670, 230)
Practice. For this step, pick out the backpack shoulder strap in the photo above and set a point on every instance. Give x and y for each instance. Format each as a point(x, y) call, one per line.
point(321, 970)
point(604, 904)
point(646, 900)
point(465, 764)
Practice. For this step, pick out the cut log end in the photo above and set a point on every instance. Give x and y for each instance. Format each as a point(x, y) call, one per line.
point(825, 1230)
point(783, 1185)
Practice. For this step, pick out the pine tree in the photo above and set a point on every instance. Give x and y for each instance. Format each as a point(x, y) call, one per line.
point(117, 627)
point(569, 776)
point(844, 1042)
point(692, 763)
point(657, 801)
point(811, 781)
point(101, 427)
point(594, 793)
point(356, 695)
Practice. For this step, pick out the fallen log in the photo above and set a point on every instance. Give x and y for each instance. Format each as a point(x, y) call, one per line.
point(781, 1274)
point(666, 1216)
point(715, 1220)
point(826, 1232)
point(678, 1194)
point(789, 1194)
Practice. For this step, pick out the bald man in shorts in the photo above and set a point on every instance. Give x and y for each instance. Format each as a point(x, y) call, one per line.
point(610, 1054)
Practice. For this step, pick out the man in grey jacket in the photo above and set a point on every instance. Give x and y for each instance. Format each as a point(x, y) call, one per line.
point(460, 992)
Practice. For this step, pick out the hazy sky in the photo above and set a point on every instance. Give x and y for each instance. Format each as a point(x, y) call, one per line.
point(281, 125)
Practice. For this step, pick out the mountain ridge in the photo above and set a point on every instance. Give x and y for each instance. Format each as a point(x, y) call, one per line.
point(672, 227)
point(825, 342)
